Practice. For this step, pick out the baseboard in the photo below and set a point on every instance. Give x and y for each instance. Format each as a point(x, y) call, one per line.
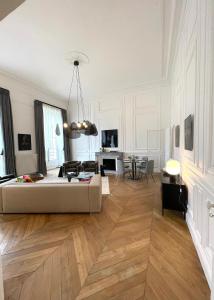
point(207, 267)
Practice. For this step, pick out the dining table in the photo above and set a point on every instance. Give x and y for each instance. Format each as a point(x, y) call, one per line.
point(133, 162)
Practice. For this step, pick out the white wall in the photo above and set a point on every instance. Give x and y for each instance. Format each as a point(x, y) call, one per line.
point(133, 113)
point(192, 93)
point(22, 98)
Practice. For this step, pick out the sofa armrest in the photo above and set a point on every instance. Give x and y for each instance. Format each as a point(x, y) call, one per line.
point(95, 193)
point(1, 196)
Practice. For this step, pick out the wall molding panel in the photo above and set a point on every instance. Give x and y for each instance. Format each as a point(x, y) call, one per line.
point(139, 117)
point(192, 76)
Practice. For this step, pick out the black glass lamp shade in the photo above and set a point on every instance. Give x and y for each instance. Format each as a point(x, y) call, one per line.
point(86, 128)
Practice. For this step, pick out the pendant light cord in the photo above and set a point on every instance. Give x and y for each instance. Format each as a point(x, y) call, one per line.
point(69, 96)
point(81, 96)
point(78, 113)
point(76, 73)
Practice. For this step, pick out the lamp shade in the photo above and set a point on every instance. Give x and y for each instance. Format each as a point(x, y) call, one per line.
point(173, 167)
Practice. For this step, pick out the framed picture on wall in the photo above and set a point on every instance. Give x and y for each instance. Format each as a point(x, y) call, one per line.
point(24, 142)
point(172, 139)
point(189, 132)
point(177, 136)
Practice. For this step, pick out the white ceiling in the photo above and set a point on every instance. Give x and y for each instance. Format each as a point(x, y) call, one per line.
point(7, 6)
point(123, 39)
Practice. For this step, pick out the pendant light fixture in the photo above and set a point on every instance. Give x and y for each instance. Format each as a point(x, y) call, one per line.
point(81, 126)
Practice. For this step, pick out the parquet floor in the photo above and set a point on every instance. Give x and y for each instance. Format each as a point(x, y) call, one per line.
point(129, 251)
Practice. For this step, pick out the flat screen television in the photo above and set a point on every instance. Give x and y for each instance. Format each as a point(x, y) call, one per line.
point(110, 138)
point(189, 132)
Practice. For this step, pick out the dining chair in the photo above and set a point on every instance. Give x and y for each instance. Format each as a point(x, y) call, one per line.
point(142, 165)
point(148, 171)
point(145, 158)
point(127, 168)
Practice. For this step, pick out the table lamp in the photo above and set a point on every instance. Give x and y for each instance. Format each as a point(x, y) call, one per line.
point(173, 169)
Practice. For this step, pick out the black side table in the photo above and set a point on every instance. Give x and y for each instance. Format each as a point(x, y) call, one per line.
point(174, 195)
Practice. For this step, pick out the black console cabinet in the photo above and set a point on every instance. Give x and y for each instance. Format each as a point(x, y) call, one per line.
point(174, 195)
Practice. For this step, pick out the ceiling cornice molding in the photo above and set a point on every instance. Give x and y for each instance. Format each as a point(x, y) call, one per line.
point(125, 91)
point(28, 84)
point(134, 89)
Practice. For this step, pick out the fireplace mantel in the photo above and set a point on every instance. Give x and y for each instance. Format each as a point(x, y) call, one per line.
point(107, 154)
point(118, 156)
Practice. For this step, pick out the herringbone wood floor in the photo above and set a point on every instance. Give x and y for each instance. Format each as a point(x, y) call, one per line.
point(129, 251)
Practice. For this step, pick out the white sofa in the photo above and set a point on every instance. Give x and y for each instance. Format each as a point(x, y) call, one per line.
point(51, 197)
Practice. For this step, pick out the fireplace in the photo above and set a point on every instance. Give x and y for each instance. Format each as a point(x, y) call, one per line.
point(109, 164)
point(113, 161)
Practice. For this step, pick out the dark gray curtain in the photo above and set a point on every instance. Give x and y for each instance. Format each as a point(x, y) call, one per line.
point(40, 140)
point(67, 150)
point(7, 120)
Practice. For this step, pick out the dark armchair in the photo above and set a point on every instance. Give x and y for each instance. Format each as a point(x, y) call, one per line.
point(90, 166)
point(72, 166)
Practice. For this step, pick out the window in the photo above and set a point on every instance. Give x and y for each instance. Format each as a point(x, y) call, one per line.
point(54, 139)
point(2, 156)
